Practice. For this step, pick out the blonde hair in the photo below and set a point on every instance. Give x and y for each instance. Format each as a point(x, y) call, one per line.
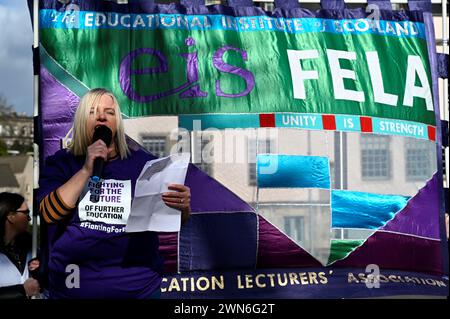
point(81, 138)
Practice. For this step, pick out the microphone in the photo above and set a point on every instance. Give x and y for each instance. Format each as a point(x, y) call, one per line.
point(102, 132)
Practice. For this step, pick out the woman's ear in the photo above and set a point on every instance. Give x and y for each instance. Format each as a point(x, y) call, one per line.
point(10, 218)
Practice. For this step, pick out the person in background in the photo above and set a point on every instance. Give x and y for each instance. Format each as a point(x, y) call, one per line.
point(15, 249)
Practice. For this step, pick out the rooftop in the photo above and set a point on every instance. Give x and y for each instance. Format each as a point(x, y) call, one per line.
point(7, 178)
point(16, 163)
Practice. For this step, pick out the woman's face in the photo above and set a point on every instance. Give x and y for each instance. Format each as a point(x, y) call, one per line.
point(106, 115)
point(20, 218)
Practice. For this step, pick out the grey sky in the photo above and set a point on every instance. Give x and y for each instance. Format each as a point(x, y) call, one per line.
point(16, 65)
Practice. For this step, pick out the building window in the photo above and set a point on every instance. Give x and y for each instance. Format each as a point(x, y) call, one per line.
point(264, 146)
point(418, 159)
point(7, 131)
point(294, 227)
point(204, 152)
point(156, 145)
point(375, 157)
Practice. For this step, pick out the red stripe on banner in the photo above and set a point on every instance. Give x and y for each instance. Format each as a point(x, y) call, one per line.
point(329, 122)
point(432, 133)
point(366, 124)
point(267, 120)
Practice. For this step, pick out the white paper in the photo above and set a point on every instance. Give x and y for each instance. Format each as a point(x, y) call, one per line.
point(148, 210)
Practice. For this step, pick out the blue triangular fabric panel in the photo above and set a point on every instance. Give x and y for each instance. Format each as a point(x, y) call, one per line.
point(364, 210)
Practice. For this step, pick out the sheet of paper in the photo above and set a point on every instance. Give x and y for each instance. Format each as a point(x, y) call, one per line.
point(148, 211)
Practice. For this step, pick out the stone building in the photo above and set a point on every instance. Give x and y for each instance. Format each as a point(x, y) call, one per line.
point(16, 131)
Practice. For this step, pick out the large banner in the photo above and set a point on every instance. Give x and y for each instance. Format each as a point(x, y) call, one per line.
point(336, 203)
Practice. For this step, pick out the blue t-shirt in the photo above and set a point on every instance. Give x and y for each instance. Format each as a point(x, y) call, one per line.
point(111, 263)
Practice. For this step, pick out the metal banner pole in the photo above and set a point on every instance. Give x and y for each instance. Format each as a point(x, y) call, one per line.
point(35, 115)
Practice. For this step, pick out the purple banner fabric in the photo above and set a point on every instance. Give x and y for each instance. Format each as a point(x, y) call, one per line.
point(286, 4)
point(397, 251)
point(218, 241)
point(432, 56)
point(240, 3)
point(51, 92)
point(332, 4)
point(168, 248)
point(420, 5)
point(56, 118)
point(192, 3)
point(420, 216)
point(275, 249)
point(382, 4)
point(219, 199)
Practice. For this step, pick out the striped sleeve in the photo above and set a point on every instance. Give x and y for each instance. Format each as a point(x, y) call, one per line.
point(53, 209)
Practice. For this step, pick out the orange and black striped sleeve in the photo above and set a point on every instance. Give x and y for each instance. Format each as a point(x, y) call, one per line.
point(53, 209)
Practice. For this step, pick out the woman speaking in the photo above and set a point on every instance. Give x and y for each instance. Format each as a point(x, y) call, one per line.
point(90, 254)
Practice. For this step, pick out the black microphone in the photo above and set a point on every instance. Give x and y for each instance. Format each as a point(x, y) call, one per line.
point(104, 133)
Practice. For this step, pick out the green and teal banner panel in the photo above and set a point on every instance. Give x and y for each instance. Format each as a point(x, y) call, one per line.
point(308, 70)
